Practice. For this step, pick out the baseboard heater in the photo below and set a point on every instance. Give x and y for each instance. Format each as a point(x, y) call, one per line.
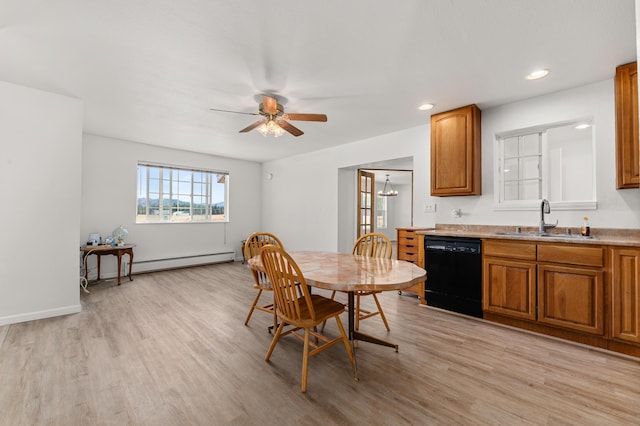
point(141, 266)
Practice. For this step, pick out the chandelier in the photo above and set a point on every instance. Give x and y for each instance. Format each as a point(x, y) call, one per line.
point(270, 128)
point(388, 190)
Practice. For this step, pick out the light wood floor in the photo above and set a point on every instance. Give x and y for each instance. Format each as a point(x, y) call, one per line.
point(170, 348)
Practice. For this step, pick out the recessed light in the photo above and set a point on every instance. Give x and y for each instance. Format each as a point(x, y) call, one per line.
point(534, 75)
point(583, 126)
point(425, 107)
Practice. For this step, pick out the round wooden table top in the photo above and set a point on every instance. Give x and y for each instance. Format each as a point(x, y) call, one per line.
point(348, 272)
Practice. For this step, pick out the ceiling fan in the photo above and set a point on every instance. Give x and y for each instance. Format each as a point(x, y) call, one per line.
point(274, 119)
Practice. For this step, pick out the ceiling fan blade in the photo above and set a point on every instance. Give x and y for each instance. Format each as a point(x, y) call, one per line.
point(234, 112)
point(253, 126)
point(290, 128)
point(306, 117)
point(269, 105)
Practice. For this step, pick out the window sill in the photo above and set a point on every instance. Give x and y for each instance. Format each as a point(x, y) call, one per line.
point(555, 205)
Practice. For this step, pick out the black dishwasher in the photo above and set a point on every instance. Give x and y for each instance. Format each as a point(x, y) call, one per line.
point(454, 274)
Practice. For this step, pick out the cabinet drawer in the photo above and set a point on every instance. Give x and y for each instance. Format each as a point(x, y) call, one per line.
point(407, 232)
point(512, 249)
point(411, 257)
point(407, 248)
point(408, 240)
point(571, 254)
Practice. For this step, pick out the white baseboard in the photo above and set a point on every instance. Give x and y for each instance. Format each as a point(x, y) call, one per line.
point(31, 316)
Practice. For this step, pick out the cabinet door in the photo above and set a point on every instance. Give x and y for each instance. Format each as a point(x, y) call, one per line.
point(627, 158)
point(625, 303)
point(509, 288)
point(455, 152)
point(571, 297)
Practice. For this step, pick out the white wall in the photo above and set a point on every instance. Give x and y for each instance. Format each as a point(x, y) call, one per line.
point(109, 176)
point(40, 176)
point(300, 204)
point(616, 208)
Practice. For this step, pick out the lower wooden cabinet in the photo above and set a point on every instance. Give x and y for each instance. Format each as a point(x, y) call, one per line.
point(509, 287)
point(559, 285)
point(410, 247)
point(571, 297)
point(509, 278)
point(625, 298)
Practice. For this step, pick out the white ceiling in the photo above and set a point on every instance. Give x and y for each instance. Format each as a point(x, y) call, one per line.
point(149, 70)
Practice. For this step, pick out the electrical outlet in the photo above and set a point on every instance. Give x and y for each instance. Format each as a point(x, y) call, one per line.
point(429, 207)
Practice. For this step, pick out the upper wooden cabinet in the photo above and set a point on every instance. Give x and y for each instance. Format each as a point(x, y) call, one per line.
point(627, 145)
point(455, 152)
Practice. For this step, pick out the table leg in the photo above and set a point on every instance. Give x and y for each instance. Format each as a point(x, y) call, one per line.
point(350, 313)
point(119, 256)
point(98, 256)
point(350, 319)
point(130, 253)
point(356, 335)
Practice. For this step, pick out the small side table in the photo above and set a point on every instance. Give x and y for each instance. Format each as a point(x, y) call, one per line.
point(117, 251)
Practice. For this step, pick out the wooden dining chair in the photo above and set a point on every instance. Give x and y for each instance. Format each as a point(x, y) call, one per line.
point(252, 247)
point(373, 245)
point(301, 312)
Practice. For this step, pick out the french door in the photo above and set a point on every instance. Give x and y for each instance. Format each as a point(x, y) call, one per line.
point(366, 202)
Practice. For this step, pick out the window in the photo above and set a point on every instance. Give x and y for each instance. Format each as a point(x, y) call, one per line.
point(521, 167)
point(381, 212)
point(554, 161)
point(168, 194)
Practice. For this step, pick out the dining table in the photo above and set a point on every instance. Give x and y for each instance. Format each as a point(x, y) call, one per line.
point(351, 273)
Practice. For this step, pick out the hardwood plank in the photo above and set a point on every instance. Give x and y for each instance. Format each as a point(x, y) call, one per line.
point(170, 348)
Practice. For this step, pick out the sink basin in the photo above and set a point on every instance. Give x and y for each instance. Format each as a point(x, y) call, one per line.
point(571, 236)
point(544, 234)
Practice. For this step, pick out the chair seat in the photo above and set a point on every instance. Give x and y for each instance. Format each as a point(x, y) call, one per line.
point(323, 306)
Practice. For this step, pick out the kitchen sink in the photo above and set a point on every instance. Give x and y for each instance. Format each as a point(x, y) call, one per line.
point(544, 234)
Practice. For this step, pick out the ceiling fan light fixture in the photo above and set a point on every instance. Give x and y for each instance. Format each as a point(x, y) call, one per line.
point(388, 190)
point(270, 128)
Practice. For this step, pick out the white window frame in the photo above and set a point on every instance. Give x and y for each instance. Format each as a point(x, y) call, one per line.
point(173, 190)
point(516, 205)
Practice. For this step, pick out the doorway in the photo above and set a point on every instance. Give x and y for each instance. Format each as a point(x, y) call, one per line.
point(385, 201)
point(399, 212)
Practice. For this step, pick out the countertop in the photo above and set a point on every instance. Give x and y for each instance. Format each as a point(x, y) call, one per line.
point(599, 236)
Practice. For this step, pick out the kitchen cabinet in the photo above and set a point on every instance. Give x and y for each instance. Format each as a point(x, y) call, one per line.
point(571, 287)
point(455, 152)
point(566, 281)
point(509, 277)
point(627, 144)
point(410, 247)
point(625, 300)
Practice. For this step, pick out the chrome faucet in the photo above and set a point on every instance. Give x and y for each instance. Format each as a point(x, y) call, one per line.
point(545, 208)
